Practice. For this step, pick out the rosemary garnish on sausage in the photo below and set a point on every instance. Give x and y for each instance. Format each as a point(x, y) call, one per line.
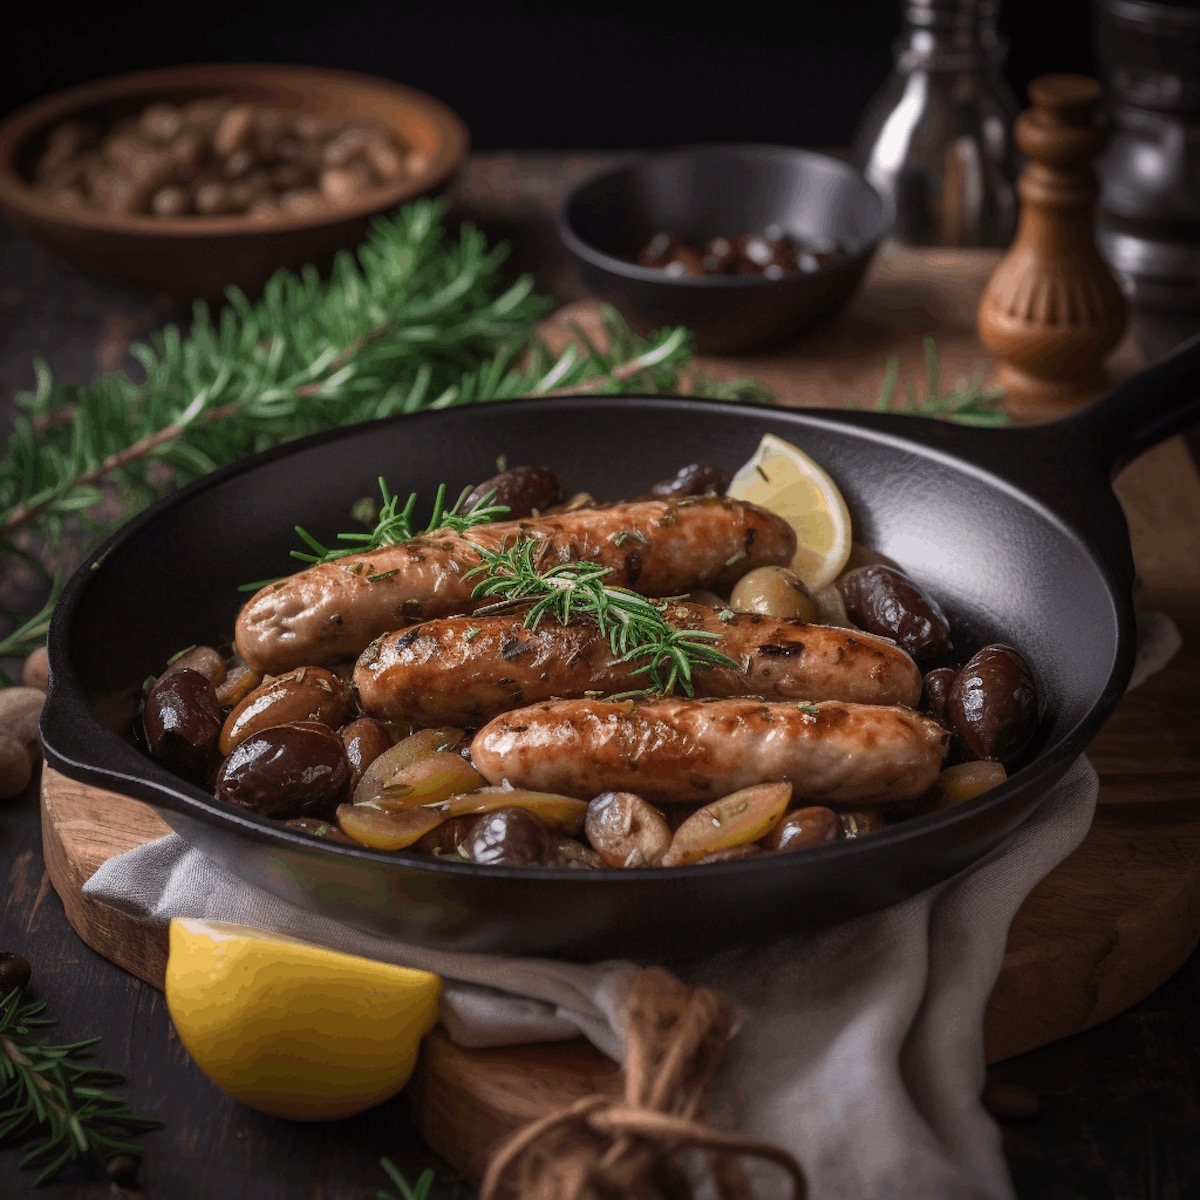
point(634, 625)
point(393, 524)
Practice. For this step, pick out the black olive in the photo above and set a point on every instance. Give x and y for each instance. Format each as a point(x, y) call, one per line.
point(720, 256)
point(935, 691)
point(804, 827)
point(884, 601)
point(522, 490)
point(510, 837)
point(14, 973)
point(686, 260)
point(365, 740)
point(993, 704)
point(121, 1168)
point(182, 721)
point(658, 251)
point(295, 770)
point(767, 255)
point(693, 480)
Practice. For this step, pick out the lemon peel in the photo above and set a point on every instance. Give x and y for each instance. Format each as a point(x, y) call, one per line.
point(293, 1029)
point(782, 478)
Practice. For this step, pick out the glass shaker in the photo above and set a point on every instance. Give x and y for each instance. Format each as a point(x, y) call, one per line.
point(937, 139)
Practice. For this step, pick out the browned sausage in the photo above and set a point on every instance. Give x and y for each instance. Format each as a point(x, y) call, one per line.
point(673, 750)
point(466, 670)
point(793, 660)
point(331, 612)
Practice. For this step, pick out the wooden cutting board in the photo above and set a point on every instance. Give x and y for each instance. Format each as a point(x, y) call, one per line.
point(1098, 934)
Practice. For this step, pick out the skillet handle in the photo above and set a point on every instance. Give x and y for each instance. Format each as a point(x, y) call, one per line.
point(1068, 463)
point(1136, 415)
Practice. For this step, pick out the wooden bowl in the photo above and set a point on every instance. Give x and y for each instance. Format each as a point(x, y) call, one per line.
point(200, 256)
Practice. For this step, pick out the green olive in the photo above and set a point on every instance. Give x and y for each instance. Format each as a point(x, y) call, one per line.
point(773, 592)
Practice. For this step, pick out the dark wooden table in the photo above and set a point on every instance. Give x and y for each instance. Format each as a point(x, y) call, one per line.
point(1119, 1105)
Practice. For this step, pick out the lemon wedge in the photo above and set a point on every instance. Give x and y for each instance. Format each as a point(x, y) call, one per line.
point(782, 478)
point(292, 1029)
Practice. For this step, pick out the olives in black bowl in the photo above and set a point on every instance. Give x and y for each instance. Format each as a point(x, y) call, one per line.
point(770, 253)
point(708, 196)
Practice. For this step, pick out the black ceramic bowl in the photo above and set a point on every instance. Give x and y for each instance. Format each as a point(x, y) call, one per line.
point(706, 191)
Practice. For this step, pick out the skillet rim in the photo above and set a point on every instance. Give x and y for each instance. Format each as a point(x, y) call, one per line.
point(171, 794)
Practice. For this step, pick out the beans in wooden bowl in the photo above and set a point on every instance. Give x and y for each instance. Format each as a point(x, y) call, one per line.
point(218, 156)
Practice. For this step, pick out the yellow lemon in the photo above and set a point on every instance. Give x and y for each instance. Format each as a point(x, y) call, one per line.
point(291, 1029)
point(781, 477)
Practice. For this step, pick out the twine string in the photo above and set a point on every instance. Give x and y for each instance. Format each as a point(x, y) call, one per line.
point(603, 1147)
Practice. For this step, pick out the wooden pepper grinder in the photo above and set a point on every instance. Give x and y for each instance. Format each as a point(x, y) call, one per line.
point(1052, 309)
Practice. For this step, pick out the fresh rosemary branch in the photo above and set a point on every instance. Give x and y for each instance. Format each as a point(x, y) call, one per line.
point(29, 635)
point(393, 524)
point(416, 319)
point(972, 404)
point(408, 1191)
point(45, 1089)
point(635, 626)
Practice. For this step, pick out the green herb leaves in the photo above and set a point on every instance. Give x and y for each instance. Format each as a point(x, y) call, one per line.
point(417, 318)
point(47, 1090)
point(393, 524)
point(634, 625)
point(971, 404)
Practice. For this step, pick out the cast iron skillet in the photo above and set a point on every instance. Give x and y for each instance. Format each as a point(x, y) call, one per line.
point(1016, 531)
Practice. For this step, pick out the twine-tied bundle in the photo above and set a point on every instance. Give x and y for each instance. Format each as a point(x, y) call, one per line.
point(604, 1147)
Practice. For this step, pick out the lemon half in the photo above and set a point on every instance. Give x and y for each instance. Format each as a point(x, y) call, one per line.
point(292, 1029)
point(782, 478)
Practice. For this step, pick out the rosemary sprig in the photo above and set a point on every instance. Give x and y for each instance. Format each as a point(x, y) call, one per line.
point(393, 524)
point(29, 635)
point(634, 625)
point(415, 319)
point(45, 1089)
point(971, 404)
point(408, 1191)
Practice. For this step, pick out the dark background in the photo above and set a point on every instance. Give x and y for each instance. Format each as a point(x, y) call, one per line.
point(529, 74)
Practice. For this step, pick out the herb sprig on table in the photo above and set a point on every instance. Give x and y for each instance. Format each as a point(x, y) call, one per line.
point(407, 1191)
point(417, 319)
point(971, 403)
point(48, 1091)
point(636, 627)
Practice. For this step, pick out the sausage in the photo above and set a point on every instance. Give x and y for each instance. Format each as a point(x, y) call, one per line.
point(676, 751)
point(329, 613)
point(794, 660)
point(465, 670)
point(496, 664)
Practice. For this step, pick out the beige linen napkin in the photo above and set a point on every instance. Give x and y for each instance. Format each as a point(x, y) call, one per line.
point(860, 1049)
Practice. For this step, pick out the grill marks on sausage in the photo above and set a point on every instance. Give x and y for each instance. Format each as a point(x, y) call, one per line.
point(497, 664)
point(689, 751)
point(786, 651)
point(512, 648)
